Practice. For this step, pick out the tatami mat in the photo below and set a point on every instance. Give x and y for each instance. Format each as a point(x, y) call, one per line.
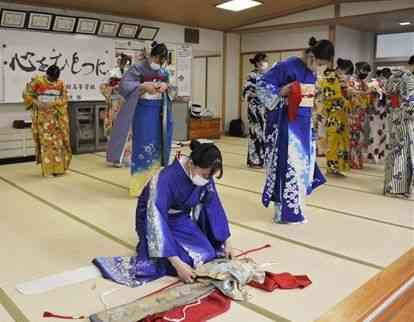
point(58, 224)
point(244, 207)
point(4, 315)
point(289, 257)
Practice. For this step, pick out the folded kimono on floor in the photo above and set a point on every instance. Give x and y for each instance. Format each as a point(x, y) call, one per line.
point(203, 310)
point(229, 276)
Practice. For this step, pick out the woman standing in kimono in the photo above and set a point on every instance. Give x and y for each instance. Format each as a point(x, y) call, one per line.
point(255, 112)
point(377, 117)
point(333, 87)
point(358, 88)
point(399, 167)
point(114, 104)
point(47, 98)
point(144, 88)
point(292, 172)
point(180, 222)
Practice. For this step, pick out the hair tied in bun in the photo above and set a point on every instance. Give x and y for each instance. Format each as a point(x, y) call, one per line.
point(312, 42)
point(154, 44)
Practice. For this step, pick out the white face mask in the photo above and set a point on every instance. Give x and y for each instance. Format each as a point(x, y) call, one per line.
point(320, 70)
point(199, 180)
point(155, 66)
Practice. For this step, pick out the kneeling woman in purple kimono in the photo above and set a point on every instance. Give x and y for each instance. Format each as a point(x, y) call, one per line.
point(180, 222)
point(292, 172)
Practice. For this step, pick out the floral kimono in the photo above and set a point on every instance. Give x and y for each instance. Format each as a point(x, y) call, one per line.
point(292, 172)
point(335, 111)
point(377, 118)
point(255, 113)
point(173, 218)
point(357, 119)
point(48, 102)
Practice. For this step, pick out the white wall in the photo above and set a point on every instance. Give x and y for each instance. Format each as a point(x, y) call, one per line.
point(309, 15)
point(232, 85)
point(282, 39)
point(211, 43)
point(354, 44)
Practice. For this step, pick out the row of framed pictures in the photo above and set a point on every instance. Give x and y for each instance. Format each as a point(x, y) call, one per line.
point(82, 25)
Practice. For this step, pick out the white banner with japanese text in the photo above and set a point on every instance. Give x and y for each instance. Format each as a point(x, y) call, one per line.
point(85, 62)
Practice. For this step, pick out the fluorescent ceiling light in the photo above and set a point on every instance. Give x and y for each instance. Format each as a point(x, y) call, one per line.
point(239, 5)
point(405, 23)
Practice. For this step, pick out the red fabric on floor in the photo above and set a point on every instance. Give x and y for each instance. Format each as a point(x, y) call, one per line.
point(282, 281)
point(210, 307)
point(294, 99)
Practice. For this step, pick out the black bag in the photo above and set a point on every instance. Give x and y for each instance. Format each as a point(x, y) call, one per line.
point(21, 124)
point(237, 128)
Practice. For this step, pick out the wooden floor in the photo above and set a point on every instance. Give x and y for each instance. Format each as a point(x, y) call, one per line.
point(51, 225)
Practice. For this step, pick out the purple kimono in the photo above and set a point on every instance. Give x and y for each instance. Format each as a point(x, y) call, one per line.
point(173, 218)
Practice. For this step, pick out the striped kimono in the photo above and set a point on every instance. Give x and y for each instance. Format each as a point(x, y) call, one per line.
point(400, 160)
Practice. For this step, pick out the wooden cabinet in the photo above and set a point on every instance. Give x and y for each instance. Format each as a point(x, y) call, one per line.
point(204, 128)
point(16, 143)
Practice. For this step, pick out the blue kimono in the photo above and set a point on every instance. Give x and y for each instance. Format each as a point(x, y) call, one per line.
point(152, 124)
point(173, 218)
point(292, 172)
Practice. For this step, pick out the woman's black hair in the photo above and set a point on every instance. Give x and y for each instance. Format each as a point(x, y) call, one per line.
point(125, 58)
point(205, 156)
point(386, 72)
point(159, 50)
point(345, 65)
point(411, 60)
point(259, 57)
point(53, 72)
point(363, 67)
point(321, 49)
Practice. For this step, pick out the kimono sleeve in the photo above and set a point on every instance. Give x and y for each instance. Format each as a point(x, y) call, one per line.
point(410, 94)
point(269, 85)
point(130, 82)
point(161, 242)
point(29, 93)
point(249, 88)
point(213, 220)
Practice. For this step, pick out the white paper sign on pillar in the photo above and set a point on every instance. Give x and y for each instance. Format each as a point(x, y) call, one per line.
point(184, 61)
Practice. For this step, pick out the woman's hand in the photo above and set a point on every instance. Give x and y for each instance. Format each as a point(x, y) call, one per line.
point(185, 272)
point(285, 91)
point(161, 87)
point(229, 252)
point(149, 87)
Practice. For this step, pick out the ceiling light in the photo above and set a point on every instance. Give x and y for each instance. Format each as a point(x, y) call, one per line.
point(405, 23)
point(239, 5)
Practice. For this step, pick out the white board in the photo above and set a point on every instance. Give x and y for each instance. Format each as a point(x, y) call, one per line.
point(85, 61)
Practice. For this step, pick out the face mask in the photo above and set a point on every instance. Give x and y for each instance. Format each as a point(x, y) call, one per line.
point(155, 66)
point(362, 76)
point(320, 70)
point(199, 180)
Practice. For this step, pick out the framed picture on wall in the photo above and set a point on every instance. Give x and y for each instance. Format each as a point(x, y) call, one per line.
point(13, 18)
point(64, 24)
point(128, 31)
point(148, 33)
point(87, 26)
point(108, 28)
point(40, 21)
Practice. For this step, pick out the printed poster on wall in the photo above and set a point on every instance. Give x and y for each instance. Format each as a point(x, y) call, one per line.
point(85, 62)
point(184, 61)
